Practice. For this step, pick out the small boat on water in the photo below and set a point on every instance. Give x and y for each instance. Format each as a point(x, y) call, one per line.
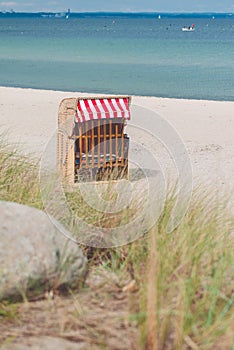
point(188, 29)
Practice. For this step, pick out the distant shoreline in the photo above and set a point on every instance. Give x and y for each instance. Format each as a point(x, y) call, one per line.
point(154, 14)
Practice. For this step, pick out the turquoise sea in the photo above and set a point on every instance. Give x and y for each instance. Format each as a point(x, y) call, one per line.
point(122, 54)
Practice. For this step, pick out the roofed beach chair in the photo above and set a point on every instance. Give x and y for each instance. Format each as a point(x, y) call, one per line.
point(91, 143)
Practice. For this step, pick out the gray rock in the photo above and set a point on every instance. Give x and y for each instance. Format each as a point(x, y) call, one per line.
point(34, 255)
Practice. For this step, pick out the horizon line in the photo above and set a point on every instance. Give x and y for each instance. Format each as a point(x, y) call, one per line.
point(122, 12)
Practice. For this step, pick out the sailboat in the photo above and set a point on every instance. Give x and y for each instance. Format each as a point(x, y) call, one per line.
point(63, 14)
point(68, 13)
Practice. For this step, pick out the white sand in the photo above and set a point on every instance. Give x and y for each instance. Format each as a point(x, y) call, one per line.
point(206, 127)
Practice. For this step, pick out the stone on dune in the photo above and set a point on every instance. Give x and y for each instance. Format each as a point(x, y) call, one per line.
point(35, 256)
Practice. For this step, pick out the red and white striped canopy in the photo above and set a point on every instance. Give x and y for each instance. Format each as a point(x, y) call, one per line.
point(89, 109)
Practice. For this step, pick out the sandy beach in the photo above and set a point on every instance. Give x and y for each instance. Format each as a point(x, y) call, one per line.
point(28, 119)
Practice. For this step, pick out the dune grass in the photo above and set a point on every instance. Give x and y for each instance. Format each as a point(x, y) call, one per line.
point(18, 178)
point(185, 279)
point(185, 285)
point(191, 279)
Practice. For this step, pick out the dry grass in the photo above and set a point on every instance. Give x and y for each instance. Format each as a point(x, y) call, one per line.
point(18, 178)
point(191, 287)
point(186, 298)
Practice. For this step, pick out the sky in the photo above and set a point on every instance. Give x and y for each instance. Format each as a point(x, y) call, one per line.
point(118, 5)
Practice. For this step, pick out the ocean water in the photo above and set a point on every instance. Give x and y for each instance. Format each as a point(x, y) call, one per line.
point(136, 55)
